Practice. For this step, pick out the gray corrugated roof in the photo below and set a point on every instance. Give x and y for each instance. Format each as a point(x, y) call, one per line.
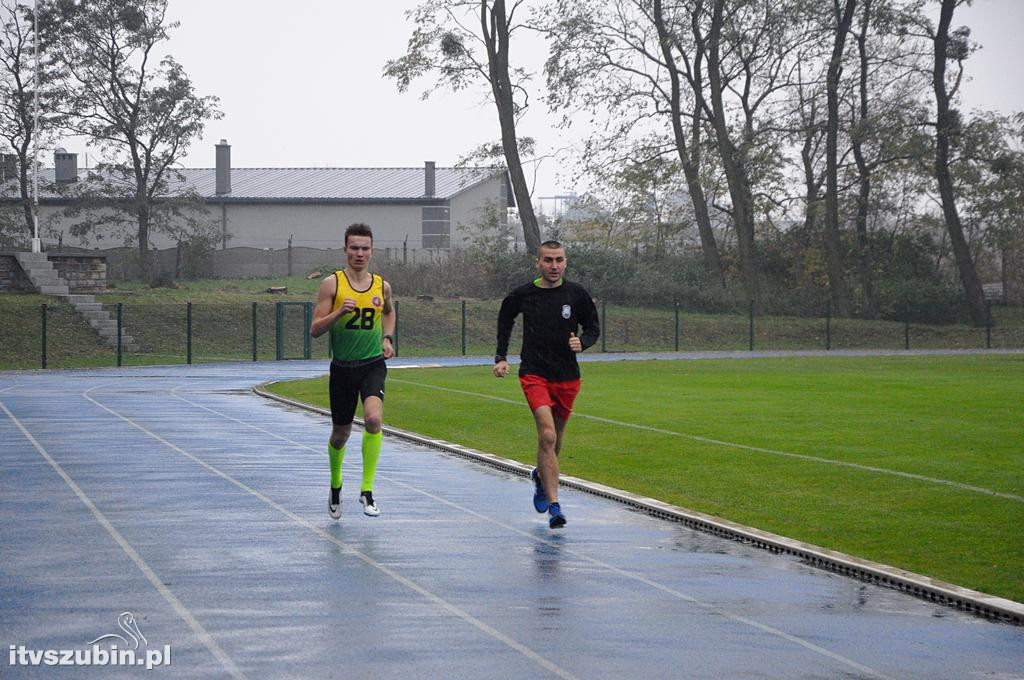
point(312, 184)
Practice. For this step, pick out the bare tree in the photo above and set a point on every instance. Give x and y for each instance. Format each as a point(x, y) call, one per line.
point(843, 18)
point(810, 131)
point(953, 46)
point(722, 40)
point(617, 62)
point(141, 115)
point(445, 42)
point(689, 152)
point(863, 169)
point(19, 38)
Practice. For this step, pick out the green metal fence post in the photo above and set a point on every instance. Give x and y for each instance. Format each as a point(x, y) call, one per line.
point(394, 340)
point(906, 326)
point(463, 328)
point(828, 324)
point(254, 331)
point(43, 334)
point(604, 326)
point(307, 339)
point(988, 324)
point(188, 326)
point(120, 326)
point(677, 326)
point(751, 325)
point(279, 329)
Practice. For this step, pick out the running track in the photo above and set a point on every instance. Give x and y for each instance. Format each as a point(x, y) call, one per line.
point(176, 494)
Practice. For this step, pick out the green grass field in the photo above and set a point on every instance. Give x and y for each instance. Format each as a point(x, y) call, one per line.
point(687, 432)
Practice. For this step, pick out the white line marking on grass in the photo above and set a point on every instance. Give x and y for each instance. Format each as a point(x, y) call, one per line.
point(148, 572)
point(621, 572)
point(409, 583)
point(744, 447)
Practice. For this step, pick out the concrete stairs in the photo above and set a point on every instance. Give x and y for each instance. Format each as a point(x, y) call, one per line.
point(47, 281)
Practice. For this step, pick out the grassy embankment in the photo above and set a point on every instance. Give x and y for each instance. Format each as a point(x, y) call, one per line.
point(222, 327)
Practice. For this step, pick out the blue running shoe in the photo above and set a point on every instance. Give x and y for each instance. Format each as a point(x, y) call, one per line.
point(557, 519)
point(540, 501)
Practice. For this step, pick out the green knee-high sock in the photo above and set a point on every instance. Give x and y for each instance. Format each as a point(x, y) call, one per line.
point(371, 452)
point(336, 456)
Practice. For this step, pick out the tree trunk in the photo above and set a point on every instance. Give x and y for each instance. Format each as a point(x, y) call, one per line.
point(145, 257)
point(833, 242)
point(945, 127)
point(691, 166)
point(495, 32)
point(811, 183)
point(863, 173)
point(863, 248)
point(735, 170)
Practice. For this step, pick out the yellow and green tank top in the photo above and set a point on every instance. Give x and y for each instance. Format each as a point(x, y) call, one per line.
point(357, 335)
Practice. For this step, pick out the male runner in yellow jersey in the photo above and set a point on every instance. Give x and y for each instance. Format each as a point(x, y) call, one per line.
point(356, 307)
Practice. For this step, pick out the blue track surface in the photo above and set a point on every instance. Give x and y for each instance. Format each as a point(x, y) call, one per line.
point(177, 495)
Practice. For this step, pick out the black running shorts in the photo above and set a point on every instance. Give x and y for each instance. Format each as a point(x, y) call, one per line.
point(351, 382)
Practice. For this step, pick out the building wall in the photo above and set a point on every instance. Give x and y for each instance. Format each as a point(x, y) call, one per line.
point(84, 273)
point(319, 226)
point(476, 207)
point(55, 229)
point(256, 262)
point(12, 276)
point(395, 226)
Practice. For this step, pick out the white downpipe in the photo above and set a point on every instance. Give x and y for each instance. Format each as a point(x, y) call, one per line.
point(37, 244)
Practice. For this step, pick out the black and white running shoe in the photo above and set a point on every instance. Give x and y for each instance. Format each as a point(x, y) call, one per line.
point(334, 503)
point(369, 507)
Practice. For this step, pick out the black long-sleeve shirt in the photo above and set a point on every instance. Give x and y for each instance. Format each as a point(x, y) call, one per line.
point(549, 316)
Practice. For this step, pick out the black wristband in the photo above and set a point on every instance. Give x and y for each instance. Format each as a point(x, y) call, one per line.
point(389, 338)
point(498, 358)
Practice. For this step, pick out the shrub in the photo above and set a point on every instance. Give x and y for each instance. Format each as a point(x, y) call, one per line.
point(925, 300)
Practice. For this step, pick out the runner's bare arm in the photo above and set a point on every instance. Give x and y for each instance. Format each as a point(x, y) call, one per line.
point(388, 319)
point(323, 317)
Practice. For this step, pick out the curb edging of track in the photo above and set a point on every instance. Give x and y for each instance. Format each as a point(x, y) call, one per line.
point(972, 601)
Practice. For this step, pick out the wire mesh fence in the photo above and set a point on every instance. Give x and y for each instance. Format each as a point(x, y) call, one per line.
point(39, 332)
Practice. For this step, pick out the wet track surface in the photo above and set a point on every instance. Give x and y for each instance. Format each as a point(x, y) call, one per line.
point(176, 494)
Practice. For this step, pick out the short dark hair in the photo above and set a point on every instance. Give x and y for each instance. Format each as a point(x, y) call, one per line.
point(551, 244)
point(358, 229)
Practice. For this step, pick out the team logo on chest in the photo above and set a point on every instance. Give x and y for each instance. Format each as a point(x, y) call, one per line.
point(377, 301)
point(566, 311)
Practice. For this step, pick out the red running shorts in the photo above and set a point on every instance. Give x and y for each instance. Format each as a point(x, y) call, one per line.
point(558, 395)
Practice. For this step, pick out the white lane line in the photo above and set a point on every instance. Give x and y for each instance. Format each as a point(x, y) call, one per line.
point(9, 387)
point(147, 571)
point(744, 447)
point(412, 585)
point(617, 570)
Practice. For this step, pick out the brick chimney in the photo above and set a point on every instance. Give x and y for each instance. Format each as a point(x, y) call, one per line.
point(223, 168)
point(65, 166)
point(429, 178)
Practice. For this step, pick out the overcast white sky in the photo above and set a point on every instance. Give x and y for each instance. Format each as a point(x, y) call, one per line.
point(300, 85)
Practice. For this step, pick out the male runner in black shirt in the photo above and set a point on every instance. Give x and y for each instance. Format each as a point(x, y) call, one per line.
point(553, 310)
